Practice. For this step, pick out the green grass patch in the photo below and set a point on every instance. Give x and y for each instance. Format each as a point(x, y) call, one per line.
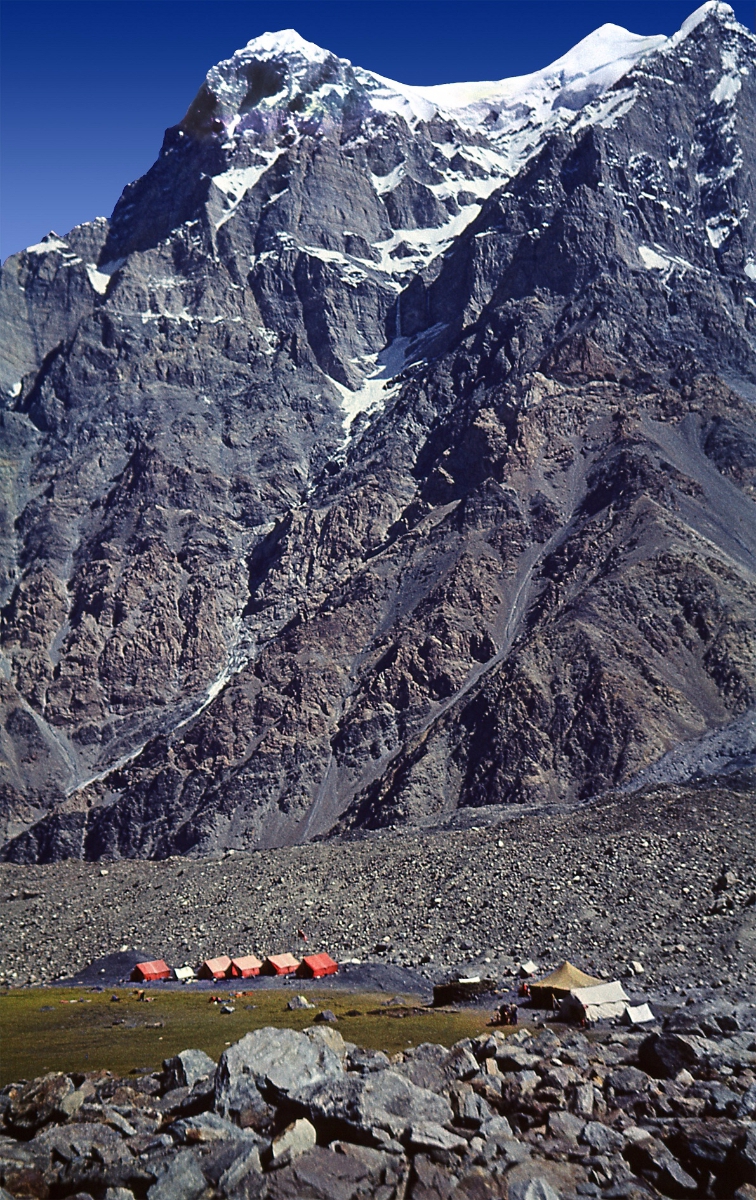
point(41, 1030)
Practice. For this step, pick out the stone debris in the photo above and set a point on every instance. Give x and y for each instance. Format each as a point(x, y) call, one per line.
point(182, 908)
point(534, 1115)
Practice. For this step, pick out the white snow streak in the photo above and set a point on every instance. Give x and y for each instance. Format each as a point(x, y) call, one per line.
point(237, 181)
point(726, 90)
point(661, 260)
point(49, 243)
point(378, 386)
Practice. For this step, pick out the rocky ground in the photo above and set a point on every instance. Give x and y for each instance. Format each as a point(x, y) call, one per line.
point(667, 878)
point(288, 1116)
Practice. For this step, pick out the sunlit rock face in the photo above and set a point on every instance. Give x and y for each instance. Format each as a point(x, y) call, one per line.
point(389, 450)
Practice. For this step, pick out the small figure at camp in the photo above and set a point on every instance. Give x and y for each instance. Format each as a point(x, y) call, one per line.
point(513, 1014)
point(504, 1014)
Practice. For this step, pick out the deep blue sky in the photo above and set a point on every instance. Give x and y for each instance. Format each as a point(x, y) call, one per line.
point(88, 86)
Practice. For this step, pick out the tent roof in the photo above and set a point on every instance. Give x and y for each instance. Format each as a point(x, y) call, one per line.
point(218, 964)
point(606, 993)
point(283, 960)
point(567, 978)
point(246, 960)
point(319, 960)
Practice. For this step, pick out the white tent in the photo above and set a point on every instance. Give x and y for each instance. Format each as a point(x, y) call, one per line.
point(639, 1014)
point(596, 1003)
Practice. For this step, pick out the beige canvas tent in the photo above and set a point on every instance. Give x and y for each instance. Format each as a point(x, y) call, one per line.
point(596, 1003)
point(560, 983)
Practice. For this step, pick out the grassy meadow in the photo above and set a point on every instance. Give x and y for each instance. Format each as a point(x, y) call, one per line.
point(67, 1029)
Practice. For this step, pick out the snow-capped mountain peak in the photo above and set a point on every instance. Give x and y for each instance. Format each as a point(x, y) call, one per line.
point(284, 43)
point(593, 65)
point(289, 67)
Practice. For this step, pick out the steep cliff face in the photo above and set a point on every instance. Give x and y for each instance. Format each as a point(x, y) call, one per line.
point(389, 450)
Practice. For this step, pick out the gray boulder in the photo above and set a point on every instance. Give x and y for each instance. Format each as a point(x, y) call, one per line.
point(514, 1058)
point(747, 1105)
point(38, 1102)
point(427, 1135)
point(209, 1127)
point(321, 1174)
point(742, 1158)
point(434, 1067)
point(664, 1055)
point(651, 1159)
point(364, 1062)
point(183, 1180)
point(535, 1188)
point(92, 1157)
point(271, 1064)
point(384, 1101)
point(496, 1127)
point(187, 1068)
point(472, 1110)
point(296, 1139)
point(565, 1125)
point(601, 1138)
point(243, 1176)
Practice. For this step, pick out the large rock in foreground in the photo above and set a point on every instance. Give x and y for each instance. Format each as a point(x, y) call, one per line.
point(270, 1065)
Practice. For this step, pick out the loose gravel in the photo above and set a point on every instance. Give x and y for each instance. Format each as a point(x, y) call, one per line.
point(666, 880)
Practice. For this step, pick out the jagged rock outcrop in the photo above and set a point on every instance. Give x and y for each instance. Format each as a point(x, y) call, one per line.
point(389, 450)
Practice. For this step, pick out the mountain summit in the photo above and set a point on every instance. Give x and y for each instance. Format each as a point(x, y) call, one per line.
point(390, 450)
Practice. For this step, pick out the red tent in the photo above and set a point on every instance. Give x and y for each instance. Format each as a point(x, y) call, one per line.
point(313, 966)
point(148, 972)
point(242, 968)
point(215, 968)
point(280, 964)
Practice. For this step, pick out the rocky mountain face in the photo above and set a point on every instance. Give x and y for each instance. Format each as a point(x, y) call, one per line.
point(389, 451)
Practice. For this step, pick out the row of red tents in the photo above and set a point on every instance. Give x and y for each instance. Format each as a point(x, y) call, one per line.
point(312, 966)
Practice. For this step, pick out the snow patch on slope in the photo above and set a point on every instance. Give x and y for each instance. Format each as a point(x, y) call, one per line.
point(99, 277)
point(378, 386)
point(237, 181)
point(50, 242)
point(726, 90)
point(661, 260)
